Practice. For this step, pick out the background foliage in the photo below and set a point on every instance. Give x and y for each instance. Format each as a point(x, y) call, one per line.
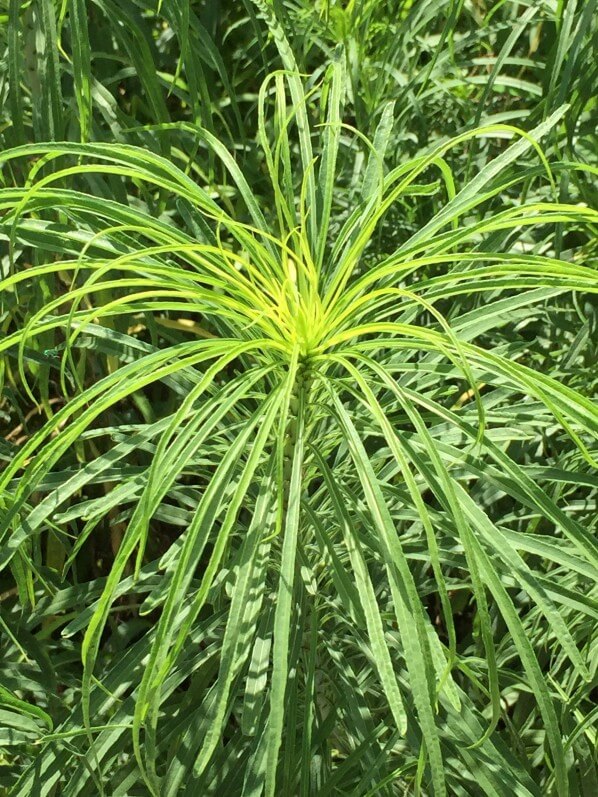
point(298, 361)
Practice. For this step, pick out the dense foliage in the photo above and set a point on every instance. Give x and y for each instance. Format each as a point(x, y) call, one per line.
point(298, 362)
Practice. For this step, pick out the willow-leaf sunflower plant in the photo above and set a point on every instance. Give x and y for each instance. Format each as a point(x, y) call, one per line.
point(329, 595)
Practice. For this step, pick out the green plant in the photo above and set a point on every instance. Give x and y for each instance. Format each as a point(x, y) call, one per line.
point(333, 444)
